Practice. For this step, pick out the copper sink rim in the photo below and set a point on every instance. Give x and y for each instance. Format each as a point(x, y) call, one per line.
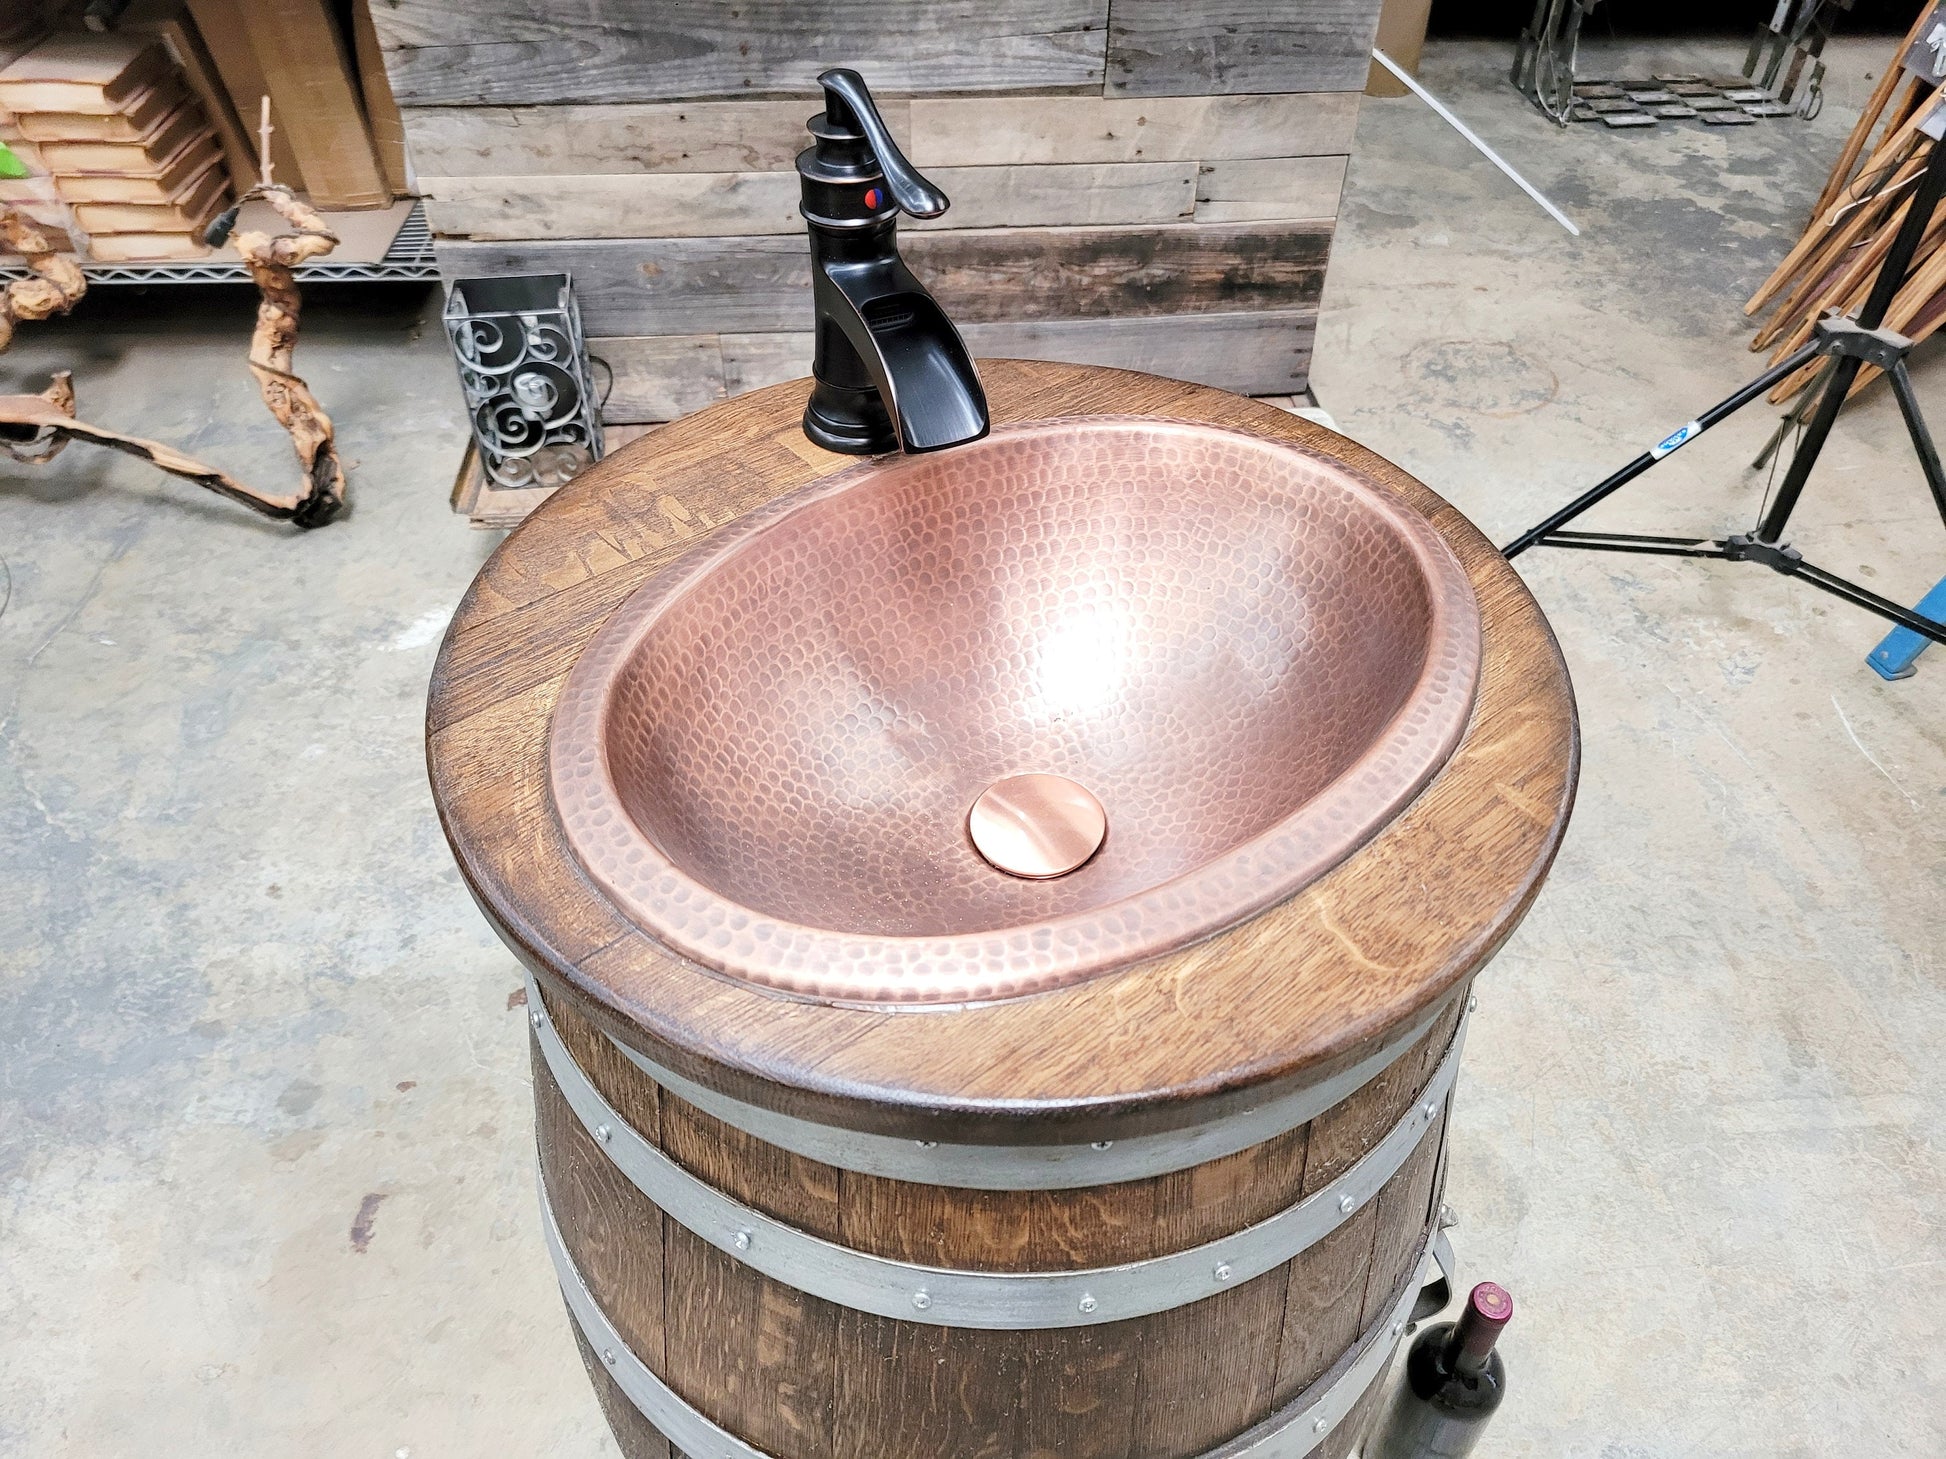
point(888, 972)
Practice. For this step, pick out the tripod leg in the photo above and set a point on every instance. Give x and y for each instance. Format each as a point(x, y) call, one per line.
point(1837, 386)
point(1728, 406)
point(1922, 442)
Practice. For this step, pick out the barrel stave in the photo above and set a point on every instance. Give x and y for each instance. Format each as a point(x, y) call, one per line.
point(801, 1378)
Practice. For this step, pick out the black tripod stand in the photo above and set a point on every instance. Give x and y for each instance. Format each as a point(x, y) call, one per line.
point(1848, 344)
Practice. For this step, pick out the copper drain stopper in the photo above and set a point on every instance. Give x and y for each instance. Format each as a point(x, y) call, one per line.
point(1036, 826)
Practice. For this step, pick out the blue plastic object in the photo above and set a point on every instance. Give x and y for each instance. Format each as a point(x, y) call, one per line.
point(1897, 654)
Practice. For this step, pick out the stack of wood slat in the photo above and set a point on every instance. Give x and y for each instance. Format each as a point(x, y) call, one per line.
point(33, 196)
point(1864, 202)
point(336, 133)
point(1151, 184)
point(130, 151)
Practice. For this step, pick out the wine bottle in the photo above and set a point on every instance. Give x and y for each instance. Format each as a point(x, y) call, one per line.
point(1454, 1381)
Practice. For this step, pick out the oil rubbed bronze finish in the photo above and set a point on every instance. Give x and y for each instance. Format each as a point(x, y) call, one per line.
point(1253, 653)
point(1036, 826)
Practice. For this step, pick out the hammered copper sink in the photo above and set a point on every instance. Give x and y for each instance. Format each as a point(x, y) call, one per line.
point(1251, 654)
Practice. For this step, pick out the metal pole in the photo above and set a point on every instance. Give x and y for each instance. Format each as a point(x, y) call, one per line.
point(1865, 598)
point(1446, 115)
point(1922, 441)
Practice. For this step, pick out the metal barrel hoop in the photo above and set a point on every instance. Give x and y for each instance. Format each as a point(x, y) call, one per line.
point(1290, 1432)
point(1031, 1167)
point(1008, 1301)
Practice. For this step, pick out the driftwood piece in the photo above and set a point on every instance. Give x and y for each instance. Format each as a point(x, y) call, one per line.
point(26, 421)
point(57, 282)
point(270, 259)
point(34, 428)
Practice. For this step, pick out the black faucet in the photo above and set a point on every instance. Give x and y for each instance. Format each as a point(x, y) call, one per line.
point(891, 371)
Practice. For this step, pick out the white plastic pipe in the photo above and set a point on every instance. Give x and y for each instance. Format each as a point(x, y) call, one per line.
point(1467, 132)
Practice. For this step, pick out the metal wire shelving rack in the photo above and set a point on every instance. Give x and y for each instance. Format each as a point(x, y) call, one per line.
point(408, 258)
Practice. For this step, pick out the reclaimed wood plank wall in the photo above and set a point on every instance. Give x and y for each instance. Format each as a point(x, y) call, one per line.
point(1147, 183)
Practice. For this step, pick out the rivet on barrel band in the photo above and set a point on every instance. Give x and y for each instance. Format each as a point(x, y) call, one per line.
point(1290, 1432)
point(1030, 1167)
point(992, 1300)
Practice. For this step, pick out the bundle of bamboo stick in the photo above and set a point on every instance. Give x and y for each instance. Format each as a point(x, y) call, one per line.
point(1852, 226)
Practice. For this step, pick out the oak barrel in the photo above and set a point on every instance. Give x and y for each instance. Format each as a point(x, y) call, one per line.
point(797, 1376)
point(1179, 1211)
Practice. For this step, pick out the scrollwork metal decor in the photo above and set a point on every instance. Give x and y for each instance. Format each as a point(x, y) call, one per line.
point(523, 368)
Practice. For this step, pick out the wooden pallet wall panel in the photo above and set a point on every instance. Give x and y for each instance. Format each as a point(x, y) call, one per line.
point(1265, 352)
point(1117, 168)
point(1223, 47)
point(660, 377)
point(762, 284)
point(1262, 189)
point(610, 205)
point(752, 361)
point(517, 52)
point(659, 285)
point(766, 136)
point(704, 136)
point(711, 204)
point(1060, 194)
point(977, 131)
point(1099, 273)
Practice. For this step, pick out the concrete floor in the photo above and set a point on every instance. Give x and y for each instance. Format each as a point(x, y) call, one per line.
point(265, 1154)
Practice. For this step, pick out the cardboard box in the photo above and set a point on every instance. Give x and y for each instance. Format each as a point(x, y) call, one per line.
point(93, 75)
point(145, 109)
point(28, 152)
point(147, 247)
point(298, 50)
point(163, 140)
point(188, 48)
point(31, 190)
point(155, 187)
point(199, 200)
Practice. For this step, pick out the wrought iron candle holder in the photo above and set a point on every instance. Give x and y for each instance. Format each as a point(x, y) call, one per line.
point(523, 367)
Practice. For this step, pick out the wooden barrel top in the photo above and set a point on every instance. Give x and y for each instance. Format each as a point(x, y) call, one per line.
point(1290, 996)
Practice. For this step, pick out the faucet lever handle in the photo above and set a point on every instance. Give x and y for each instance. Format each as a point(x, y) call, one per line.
point(848, 104)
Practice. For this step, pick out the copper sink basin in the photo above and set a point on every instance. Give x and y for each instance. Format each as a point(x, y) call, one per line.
point(1251, 655)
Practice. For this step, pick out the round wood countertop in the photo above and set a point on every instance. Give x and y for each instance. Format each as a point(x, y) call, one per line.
point(1289, 997)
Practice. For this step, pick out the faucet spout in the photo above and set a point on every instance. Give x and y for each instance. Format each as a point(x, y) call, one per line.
point(891, 371)
point(908, 352)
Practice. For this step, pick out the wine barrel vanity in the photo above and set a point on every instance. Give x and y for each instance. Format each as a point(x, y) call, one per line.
point(1176, 1201)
